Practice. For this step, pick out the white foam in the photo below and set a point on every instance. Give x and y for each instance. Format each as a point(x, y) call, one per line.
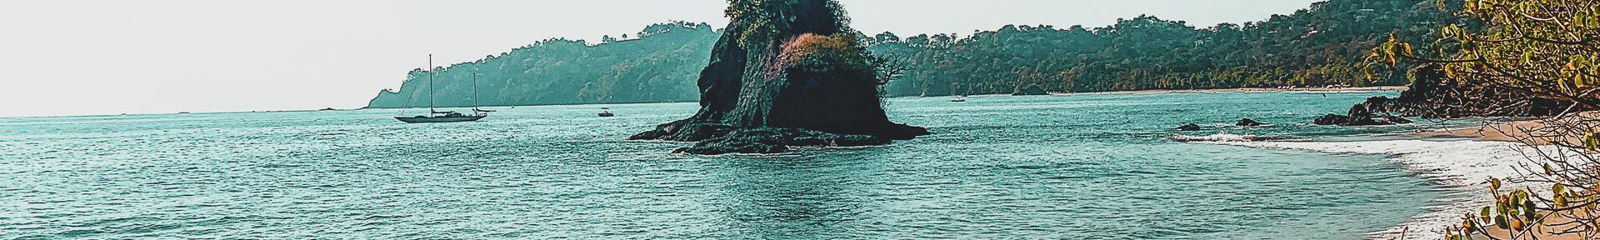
point(1462, 166)
point(1220, 137)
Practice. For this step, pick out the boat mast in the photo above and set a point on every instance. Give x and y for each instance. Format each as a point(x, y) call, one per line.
point(475, 103)
point(430, 84)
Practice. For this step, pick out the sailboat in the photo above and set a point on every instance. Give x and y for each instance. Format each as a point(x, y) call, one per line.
point(436, 116)
point(958, 98)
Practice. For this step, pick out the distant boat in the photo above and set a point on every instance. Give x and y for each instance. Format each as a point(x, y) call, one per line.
point(959, 98)
point(606, 112)
point(436, 116)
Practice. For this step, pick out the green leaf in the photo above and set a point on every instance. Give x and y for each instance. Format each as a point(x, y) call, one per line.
point(1500, 221)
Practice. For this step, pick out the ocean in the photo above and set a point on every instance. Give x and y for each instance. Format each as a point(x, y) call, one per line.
point(1082, 166)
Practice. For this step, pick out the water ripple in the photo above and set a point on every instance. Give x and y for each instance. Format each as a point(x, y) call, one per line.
point(1076, 167)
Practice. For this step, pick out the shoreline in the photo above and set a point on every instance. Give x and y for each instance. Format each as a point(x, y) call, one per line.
point(1517, 131)
point(1460, 168)
point(1459, 160)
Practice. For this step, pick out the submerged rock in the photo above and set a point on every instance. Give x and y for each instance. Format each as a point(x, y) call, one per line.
point(786, 73)
point(1333, 119)
point(1189, 127)
point(1248, 123)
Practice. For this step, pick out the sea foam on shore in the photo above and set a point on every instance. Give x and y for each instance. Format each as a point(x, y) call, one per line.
point(1462, 167)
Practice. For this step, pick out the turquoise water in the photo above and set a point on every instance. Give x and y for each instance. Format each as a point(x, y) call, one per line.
point(1075, 167)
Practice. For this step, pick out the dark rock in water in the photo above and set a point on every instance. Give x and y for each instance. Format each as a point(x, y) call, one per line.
point(1189, 127)
point(804, 82)
point(777, 140)
point(1364, 115)
point(1359, 114)
point(1397, 120)
point(1034, 90)
point(1248, 123)
point(1378, 104)
point(1342, 120)
point(1333, 119)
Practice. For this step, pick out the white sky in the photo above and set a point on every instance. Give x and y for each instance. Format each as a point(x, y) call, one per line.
point(76, 57)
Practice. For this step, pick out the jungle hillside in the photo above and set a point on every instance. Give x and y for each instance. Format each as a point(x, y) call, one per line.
point(1327, 43)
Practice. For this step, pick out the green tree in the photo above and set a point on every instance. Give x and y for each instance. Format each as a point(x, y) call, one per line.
point(1514, 54)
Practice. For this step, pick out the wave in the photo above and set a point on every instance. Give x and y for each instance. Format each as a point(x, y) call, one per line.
point(1223, 138)
point(1462, 167)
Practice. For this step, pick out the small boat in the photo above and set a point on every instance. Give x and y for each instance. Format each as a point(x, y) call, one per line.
point(435, 116)
point(606, 112)
point(959, 98)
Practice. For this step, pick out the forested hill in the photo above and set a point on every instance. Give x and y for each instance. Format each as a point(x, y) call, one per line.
point(1325, 44)
point(1322, 45)
point(660, 65)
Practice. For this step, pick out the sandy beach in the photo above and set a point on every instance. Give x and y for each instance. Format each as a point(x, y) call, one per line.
point(1514, 131)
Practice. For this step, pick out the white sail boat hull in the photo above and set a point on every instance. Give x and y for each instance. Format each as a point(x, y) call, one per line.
point(426, 119)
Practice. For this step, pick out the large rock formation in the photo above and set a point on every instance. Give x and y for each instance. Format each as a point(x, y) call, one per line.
point(1434, 94)
point(1375, 111)
point(786, 73)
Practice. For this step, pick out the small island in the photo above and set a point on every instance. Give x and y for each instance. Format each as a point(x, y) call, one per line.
point(785, 74)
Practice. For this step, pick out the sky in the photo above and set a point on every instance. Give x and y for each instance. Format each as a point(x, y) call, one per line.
point(90, 57)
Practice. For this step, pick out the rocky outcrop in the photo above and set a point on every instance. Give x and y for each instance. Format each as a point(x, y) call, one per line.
point(1332, 119)
point(1365, 114)
point(786, 73)
point(1434, 94)
point(1034, 90)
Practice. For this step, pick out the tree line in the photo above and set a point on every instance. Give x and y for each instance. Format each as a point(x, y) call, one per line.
point(1322, 45)
point(1318, 46)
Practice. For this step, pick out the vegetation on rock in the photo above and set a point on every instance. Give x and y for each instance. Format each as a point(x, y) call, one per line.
point(786, 73)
